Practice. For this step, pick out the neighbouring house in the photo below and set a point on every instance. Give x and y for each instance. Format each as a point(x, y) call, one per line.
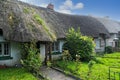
point(113, 28)
point(21, 22)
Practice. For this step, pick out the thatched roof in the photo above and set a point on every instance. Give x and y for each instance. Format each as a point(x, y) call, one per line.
point(111, 25)
point(23, 22)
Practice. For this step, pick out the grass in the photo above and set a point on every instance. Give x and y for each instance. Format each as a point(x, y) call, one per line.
point(15, 74)
point(115, 55)
point(99, 69)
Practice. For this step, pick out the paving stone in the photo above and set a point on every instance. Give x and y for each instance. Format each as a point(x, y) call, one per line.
point(52, 74)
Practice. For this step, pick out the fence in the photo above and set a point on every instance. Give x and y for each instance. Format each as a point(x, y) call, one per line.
point(114, 75)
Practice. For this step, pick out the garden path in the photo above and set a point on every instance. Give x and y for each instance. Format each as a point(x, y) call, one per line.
point(52, 74)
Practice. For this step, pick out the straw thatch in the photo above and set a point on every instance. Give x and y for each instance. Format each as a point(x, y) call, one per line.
point(24, 22)
point(111, 25)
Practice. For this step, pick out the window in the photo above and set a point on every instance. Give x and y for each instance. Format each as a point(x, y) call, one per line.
point(4, 49)
point(98, 43)
point(55, 46)
point(1, 32)
point(0, 49)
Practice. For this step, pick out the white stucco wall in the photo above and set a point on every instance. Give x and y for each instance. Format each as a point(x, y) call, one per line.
point(100, 45)
point(110, 41)
point(14, 52)
point(42, 51)
point(55, 57)
point(61, 44)
point(2, 39)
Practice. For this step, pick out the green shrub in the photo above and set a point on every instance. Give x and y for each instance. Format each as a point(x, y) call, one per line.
point(66, 55)
point(31, 57)
point(108, 49)
point(49, 64)
point(77, 44)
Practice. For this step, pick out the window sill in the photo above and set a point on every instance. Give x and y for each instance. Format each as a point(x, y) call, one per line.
point(5, 57)
point(56, 53)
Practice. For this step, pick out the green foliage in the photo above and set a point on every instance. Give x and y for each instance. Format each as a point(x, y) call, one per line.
point(31, 57)
point(26, 10)
point(49, 64)
point(41, 22)
point(66, 55)
point(113, 55)
point(78, 44)
point(97, 71)
point(15, 74)
point(13, 20)
point(108, 49)
point(90, 65)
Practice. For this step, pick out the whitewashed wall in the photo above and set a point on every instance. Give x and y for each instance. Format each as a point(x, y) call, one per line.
point(110, 41)
point(42, 51)
point(15, 54)
point(61, 45)
point(100, 44)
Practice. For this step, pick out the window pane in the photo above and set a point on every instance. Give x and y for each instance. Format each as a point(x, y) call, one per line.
point(6, 49)
point(0, 49)
point(97, 41)
point(52, 46)
point(57, 46)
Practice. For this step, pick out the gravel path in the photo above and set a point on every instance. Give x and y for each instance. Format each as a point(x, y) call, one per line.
point(52, 74)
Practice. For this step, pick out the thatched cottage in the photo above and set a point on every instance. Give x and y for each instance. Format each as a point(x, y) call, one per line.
point(113, 28)
point(21, 22)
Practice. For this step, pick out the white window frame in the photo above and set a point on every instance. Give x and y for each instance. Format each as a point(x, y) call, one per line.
point(98, 43)
point(3, 49)
point(55, 45)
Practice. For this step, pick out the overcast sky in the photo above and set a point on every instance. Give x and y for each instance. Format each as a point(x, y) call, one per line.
point(99, 8)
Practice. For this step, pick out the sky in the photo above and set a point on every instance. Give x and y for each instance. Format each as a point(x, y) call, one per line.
point(98, 8)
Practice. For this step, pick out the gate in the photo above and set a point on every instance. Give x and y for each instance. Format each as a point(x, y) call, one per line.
point(114, 73)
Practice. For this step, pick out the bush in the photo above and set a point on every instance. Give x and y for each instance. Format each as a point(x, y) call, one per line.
point(66, 55)
point(77, 44)
point(31, 57)
point(108, 49)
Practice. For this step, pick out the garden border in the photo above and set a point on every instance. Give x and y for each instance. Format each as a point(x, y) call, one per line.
point(70, 75)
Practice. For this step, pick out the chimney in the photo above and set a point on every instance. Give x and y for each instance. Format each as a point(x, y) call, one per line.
point(50, 6)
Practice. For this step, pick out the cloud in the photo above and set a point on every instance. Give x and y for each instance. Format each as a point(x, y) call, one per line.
point(68, 6)
point(79, 6)
point(43, 5)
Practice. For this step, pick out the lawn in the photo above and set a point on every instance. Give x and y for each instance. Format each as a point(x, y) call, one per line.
point(100, 69)
point(16, 74)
